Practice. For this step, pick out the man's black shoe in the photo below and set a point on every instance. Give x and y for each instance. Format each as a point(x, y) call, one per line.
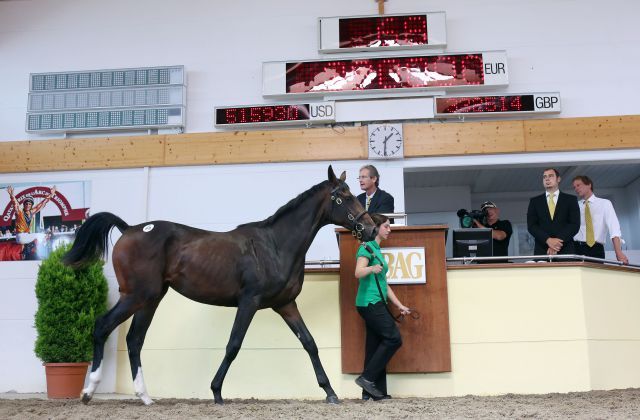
point(384, 397)
point(369, 386)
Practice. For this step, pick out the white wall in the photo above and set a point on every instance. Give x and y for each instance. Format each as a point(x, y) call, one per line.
point(583, 49)
point(587, 50)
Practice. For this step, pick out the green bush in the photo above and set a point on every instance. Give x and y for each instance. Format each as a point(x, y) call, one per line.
point(69, 301)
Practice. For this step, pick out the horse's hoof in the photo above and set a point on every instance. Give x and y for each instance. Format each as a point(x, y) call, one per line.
point(86, 398)
point(145, 398)
point(332, 399)
point(218, 400)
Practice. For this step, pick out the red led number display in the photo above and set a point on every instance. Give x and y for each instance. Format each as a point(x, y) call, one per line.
point(385, 73)
point(373, 32)
point(260, 114)
point(485, 104)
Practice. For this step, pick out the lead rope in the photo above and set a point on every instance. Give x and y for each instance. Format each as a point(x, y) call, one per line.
point(375, 276)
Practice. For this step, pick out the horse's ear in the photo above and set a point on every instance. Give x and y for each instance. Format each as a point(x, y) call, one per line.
point(343, 176)
point(332, 176)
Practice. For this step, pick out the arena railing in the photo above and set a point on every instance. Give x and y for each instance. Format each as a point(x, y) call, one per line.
point(542, 258)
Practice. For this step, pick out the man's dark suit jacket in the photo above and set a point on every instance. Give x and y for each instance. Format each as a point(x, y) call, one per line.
point(382, 202)
point(565, 223)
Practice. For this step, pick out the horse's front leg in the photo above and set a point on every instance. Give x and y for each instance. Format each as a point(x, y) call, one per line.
point(292, 317)
point(246, 311)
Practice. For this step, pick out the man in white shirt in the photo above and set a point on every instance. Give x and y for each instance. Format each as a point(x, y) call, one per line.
point(597, 216)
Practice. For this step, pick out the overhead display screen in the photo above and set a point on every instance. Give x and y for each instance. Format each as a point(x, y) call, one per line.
point(101, 120)
point(279, 114)
point(507, 104)
point(427, 72)
point(376, 32)
point(92, 79)
point(372, 32)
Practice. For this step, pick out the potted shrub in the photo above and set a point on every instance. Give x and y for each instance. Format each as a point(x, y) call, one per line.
point(69, 301)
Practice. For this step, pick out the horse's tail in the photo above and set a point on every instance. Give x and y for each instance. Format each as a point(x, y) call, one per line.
point(92, 239)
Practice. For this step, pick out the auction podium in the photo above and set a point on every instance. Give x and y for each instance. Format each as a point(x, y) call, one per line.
point(425, 341)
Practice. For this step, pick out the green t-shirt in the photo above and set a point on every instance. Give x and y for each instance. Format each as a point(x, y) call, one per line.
point(367, 289)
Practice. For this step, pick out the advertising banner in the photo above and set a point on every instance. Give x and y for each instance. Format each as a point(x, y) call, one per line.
point(38, 217)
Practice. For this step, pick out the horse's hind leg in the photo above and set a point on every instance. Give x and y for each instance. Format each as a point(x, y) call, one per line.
point(245, 314)
point(135, 339)
point(105, 324)
point(292, 317)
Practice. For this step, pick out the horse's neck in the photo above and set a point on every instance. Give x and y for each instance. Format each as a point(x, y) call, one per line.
point(295, 231)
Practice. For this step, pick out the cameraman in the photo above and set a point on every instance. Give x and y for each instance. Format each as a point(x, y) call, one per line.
point(502, 229)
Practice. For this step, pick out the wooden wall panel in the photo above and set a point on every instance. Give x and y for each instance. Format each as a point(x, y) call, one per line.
point(78, 154)
point(301, 145)
point(438, 139)
point(617, 132)
point(267, 146)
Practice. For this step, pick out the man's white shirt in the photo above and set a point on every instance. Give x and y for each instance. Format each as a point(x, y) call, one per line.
point(604, 219)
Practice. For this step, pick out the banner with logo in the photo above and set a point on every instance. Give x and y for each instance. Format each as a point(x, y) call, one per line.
point(407, 265)
point(38, 217)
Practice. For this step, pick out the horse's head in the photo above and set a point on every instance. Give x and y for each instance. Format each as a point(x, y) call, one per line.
point(347, 211)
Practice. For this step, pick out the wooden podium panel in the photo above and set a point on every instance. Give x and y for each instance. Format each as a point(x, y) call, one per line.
point(425, 341)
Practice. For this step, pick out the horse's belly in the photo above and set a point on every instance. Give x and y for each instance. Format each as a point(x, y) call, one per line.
point(213, 287)
point(206, 295)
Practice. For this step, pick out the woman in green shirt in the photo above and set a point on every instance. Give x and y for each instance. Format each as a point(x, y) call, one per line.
point(383, 337)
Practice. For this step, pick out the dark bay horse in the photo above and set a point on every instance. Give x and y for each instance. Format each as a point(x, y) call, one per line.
point(256, 266)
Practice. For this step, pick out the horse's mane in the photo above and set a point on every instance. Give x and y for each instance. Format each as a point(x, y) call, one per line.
point(293, 203)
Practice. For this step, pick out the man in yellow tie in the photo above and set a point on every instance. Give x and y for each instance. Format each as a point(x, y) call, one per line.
point(553, 218)
point(373, 199)
point(597, 217)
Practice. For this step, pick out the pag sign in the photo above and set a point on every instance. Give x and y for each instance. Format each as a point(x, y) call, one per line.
point(406, 265)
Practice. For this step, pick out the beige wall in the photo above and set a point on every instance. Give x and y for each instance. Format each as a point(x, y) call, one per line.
point(522, 330)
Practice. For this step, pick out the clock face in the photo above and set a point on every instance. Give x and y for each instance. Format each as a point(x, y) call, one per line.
point(385, 141)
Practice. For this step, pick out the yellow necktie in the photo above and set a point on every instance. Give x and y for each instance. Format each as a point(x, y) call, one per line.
point(552, 206)
point(591, 240)
point(368, 203)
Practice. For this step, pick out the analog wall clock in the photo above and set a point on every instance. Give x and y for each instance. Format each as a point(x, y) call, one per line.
point(385, 141)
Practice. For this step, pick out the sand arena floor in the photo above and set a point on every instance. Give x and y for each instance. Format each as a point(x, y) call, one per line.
point(616, 404)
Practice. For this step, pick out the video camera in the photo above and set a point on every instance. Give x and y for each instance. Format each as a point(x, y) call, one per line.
point(467, 217)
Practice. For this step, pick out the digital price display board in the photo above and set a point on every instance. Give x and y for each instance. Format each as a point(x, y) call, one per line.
point(387, 32)
point(375, 75)
point(277, 114)
point(93, 79)
point(531, 103)
point(105, 120)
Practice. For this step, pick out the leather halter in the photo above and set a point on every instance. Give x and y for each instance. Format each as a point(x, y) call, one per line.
point(356, 228)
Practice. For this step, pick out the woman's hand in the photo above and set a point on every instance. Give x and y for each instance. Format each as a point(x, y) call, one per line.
point(376, 268)
point(403, 309)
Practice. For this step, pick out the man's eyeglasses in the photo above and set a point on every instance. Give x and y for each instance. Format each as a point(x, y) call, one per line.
point(363, 177)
